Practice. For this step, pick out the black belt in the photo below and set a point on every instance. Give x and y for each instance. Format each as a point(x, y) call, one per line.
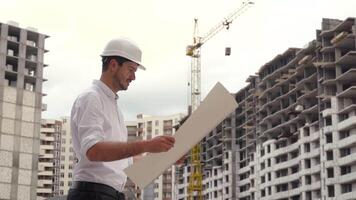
point(98, 187)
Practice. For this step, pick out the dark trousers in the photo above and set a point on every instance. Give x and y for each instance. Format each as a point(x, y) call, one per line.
point(93, 191)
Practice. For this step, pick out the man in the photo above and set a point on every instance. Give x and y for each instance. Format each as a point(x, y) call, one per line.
point(98, 129)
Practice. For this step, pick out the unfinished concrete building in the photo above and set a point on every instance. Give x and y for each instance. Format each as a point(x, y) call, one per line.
point(218, 159)
point(299, 144)
point(21, 78)
point(294, 134)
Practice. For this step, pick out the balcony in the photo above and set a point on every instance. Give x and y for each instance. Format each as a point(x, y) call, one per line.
point(47, 138)
point(347, 160)
point(347, 109)
point(347, 178)
point(46, 164)
point(286, 164)
point(243, 182)
point(347, 124)
point(312, 170)
point(286, 194)
point(50, 156)
point(348, 59)
point(344, 40)
point(327, 112)
point(45, 173)
point(348, 93)
point(41, 183)
point(47, 147)
point(13, 38)
point(348, 76)
point(244, 194)
point(244, 170)
point(286, 179)
point(286, 149)
point(346, 142)
point(47, 130)
point(347, 196)
point(44, 190)
point(313, 153)
point(312, 137)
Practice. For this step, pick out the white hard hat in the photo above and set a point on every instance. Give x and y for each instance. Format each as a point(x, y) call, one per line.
point(125, 48)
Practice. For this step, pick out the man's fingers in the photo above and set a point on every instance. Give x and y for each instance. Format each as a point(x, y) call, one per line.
point(168, 143)
point(166, 147)
point(169, 139)
point(162, 143)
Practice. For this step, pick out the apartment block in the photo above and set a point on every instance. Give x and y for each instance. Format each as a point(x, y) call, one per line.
point(298, 144)
point(337, 110)
point(21, 78)
point(49, 159)
point(67, 157)
point(131, 190)
point(293, 135)
point(303, 101)
point(162, 188)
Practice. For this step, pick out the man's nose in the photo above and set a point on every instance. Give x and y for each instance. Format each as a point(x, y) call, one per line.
point(133, 76)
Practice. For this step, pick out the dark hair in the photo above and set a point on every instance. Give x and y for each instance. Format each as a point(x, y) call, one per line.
point(106, 60)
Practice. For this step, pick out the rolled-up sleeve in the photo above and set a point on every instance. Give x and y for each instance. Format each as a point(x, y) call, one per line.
point(90, 121)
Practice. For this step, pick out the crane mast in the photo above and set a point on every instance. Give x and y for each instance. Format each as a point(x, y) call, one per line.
point(195, 70)
point(195, 186)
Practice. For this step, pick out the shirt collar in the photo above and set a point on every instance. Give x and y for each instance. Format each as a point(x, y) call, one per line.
point(105, 89)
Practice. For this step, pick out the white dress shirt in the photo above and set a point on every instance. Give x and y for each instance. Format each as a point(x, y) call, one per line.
point(96, 117)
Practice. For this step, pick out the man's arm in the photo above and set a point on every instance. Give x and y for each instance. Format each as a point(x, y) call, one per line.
point(105, 151)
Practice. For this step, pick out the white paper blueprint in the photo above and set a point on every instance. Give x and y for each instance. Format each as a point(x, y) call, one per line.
point(217, 105)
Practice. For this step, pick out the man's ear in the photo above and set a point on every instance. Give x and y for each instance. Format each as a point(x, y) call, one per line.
point(113, 65)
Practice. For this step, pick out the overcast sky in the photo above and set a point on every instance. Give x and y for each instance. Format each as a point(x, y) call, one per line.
point(79, 30)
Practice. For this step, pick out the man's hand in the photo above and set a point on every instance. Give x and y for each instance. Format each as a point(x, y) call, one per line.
point(160, 144)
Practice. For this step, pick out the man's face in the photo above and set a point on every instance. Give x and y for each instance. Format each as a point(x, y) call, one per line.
point(124, 75)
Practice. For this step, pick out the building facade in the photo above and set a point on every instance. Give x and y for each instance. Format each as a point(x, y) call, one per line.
point(295, 128)
point(67, 157)
point(49, 159)
point(162, 188)
point(218, 165)
point(21, 78)
point(131, 190)
point(293, 135)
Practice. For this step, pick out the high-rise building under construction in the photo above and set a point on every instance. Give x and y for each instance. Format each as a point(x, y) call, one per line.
point(293, 135)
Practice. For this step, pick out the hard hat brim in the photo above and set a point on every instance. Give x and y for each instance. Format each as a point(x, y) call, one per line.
point(140, 66)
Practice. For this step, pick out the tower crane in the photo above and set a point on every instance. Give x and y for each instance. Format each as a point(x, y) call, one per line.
point(195, 179)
